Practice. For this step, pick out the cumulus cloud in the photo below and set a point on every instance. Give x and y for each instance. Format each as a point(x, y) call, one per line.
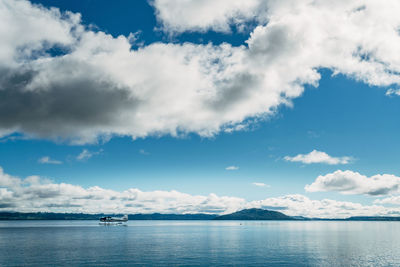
point(349, 182)
point(260, 184)
point(232, 168)
point(206, 15)
point(95, 86)
point(35, 194)
point(48, 160)
point(316, 156)
point(393, 200)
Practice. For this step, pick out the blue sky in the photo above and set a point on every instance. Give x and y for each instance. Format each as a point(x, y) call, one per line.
point(343, 114)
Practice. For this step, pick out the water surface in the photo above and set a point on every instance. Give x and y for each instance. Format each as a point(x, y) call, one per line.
point(200, 243)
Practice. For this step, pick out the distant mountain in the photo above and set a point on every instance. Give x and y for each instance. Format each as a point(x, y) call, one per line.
point(48, 216)
point(160, 216)
point(82, 216)
point(247, 214)
point(373, 218)
point(255, 214)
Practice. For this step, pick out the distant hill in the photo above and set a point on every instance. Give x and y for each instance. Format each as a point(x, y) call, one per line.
point(160, 216)
point(373, 218)
point(82, 216)
point(48, 216)
point(255, 214)
point(247, 214)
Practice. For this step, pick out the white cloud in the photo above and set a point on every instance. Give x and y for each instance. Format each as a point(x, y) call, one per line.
point(48, 160)
point(316, 156)
point(86, 154)
point(299, 205)
point(193, 15)
point(34, 194)
point(393, 92)
point(105, 88)
point(393, 200)
point(349, 182)
point(260, 184)
point(232, 168)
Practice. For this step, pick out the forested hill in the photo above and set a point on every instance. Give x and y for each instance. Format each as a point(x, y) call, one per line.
point(255, 214)
point(82, 216)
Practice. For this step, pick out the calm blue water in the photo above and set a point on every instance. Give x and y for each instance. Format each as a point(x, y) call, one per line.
point(199, 243)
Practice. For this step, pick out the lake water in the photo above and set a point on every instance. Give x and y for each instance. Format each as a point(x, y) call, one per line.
point(200, 243)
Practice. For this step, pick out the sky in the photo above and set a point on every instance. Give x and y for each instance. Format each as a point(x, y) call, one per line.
point(200, 106)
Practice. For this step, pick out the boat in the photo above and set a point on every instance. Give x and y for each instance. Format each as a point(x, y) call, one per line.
point(114, 220)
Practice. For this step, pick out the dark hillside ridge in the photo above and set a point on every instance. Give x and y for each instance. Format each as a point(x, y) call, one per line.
point(82, 216)
point(255, 214)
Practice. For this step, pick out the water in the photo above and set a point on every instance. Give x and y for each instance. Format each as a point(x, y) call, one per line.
point(200, 243)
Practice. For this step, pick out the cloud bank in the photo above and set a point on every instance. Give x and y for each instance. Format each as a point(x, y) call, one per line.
point(393, 200)
point(349, 182)
point(316, 156)
point(60, 80)
point(34, 194)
